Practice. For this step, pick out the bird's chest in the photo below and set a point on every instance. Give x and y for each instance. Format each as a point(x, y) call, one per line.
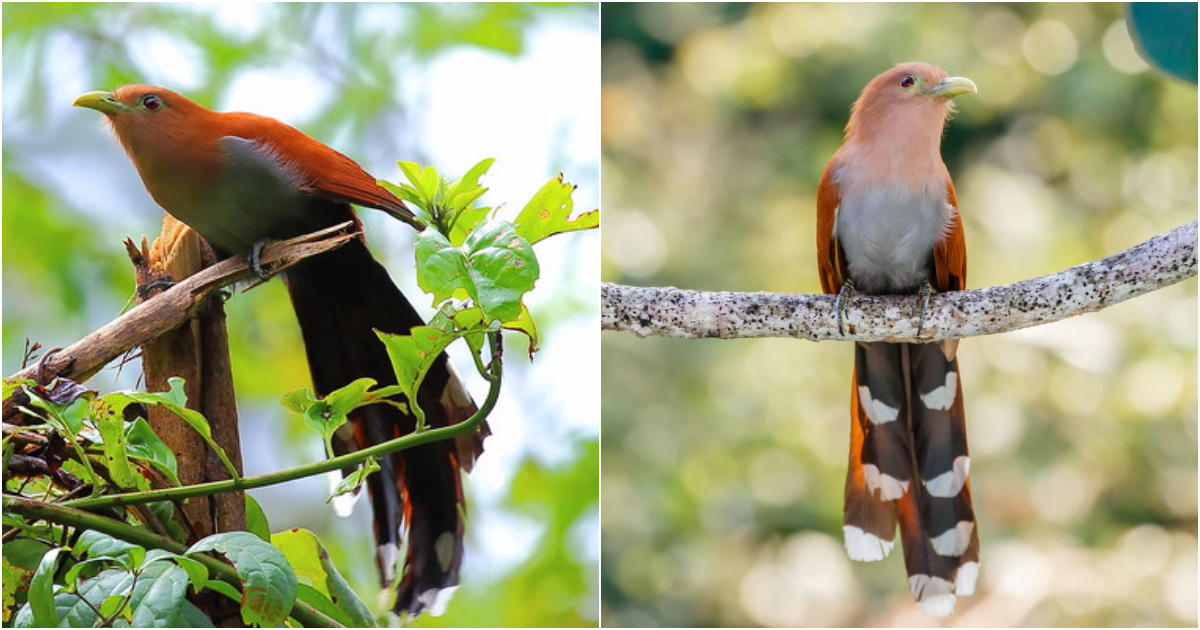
point(887, 231)
point(241, 197)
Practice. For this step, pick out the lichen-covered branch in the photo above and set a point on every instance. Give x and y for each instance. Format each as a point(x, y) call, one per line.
point(670, 312)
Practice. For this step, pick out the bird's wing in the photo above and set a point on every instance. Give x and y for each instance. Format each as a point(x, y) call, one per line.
point(322, 171)
point(830, 262)
point(950, 254)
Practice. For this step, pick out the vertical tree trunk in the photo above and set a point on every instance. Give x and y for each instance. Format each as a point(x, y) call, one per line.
point(198, 352)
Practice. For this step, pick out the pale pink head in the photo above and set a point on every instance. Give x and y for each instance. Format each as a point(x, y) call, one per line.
point(913, 99)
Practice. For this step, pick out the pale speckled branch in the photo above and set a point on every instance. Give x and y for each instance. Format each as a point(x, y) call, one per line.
point(670, 312)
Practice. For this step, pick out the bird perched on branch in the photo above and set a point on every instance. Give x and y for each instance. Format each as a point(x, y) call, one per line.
point(239, 179)
point(888, 224)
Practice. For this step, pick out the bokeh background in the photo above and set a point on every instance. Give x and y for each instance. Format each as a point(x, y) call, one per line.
point(440, 84)
point(724, 461)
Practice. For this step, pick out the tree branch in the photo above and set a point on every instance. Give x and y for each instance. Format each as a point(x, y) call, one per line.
point(670, 312)
point(176, 305)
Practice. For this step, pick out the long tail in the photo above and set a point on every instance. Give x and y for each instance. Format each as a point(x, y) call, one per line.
point(339, 298)
point(908, 415)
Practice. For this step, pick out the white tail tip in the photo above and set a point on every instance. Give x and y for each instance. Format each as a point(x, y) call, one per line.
point(865, 547)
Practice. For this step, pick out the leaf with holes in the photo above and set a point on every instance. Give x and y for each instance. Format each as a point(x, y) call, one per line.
point(268, 582)
point(549, 213)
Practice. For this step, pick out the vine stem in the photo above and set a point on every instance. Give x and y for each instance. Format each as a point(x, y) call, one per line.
point(307, 470)
point(72, 517)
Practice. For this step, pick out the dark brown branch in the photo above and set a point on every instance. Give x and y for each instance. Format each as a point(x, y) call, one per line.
point(173, 307)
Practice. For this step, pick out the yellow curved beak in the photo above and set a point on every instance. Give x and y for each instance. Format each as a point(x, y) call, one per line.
point(104, 102)
point(953, 87)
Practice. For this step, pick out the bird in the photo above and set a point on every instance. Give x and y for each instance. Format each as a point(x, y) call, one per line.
point(888, 223)
point(239, 179)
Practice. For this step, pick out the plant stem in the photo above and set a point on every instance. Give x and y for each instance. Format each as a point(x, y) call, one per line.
point(350, 459)
point(61, 514)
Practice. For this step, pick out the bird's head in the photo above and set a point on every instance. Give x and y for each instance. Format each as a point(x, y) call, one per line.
point(911, 98)
point(145, 114)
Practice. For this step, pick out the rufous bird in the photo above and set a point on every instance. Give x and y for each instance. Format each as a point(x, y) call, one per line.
point(239, 179)
point(888, 224)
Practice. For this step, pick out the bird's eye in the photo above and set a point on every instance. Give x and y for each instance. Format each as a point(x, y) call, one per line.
point(152, 102)
point(908, 81)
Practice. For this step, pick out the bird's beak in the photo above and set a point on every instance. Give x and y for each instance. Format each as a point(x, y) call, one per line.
point(104, 102)
point(953, 87)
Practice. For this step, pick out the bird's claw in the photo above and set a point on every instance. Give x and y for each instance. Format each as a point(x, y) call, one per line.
point(256, 260)
point(843, 302)
point(923, 296)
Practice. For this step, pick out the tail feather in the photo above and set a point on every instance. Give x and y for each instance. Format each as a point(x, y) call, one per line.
point(909, 418)
point(869, 523)
point(340, 298)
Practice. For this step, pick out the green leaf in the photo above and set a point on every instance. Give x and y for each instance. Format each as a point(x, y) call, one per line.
point(425, 181)
point(315, 570)
point(175, 400)
point(327, 415)
point(99, 545)
point(158, 597)
point(549, 211)
point(494, 267)
point(349, 397)
point(116, 456)
point(142, 443)
point(297, 400)
point(268, 582)
point(321, 602)
point(74, 572)
point(196, 571)
point(466, 221)
point(413, 354)
point(11, 385)
point(355, 480)
point(15, 578)
point(25, 553)
point(525, 324)
point(225, 589)
point(41, 590)
point(111, 605)
point(256, 519)
point(75, 609)
point(441, 267)
point(503, 268)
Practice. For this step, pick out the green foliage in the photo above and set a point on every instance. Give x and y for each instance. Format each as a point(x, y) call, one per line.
point(121, 582)
point(65, 273)
point(174, 400)
point(268, 582)
point(319, 581)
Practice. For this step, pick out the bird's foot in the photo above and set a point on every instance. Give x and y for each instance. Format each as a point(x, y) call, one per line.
point(160, 284)
point(923, 295)
point(256, 260)
point(843, 302)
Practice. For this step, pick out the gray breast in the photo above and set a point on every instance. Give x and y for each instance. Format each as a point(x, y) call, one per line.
point(888, 232)
point(260, 198)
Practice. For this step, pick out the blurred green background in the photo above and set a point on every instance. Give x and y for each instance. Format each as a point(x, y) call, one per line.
point(724, 461)
point(441, 84)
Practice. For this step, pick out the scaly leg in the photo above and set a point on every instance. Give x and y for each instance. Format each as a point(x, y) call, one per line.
point(843, 301)
point(923, 295)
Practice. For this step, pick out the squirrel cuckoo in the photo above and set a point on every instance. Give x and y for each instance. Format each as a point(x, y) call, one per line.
point(888, 223)
point(239, 179)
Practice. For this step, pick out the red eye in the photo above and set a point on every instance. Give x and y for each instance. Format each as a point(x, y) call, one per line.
point(908, 81)
point(151, 102)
